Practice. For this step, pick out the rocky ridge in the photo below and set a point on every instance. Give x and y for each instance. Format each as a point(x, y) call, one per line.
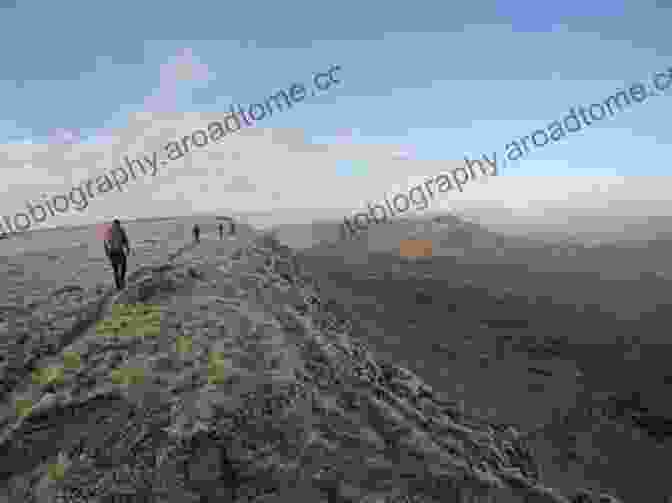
point(303, 412)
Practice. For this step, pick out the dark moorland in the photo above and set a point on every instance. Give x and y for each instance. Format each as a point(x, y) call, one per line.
point(566, 341)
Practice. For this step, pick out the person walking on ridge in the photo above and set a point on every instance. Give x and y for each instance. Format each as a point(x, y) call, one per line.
point(114, 244)
point(221, 231)
point(197, 233)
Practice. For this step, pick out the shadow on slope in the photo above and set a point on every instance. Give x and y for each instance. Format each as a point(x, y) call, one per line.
point(522, 336)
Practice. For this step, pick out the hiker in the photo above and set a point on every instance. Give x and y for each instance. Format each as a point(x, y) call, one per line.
point(221, 231)
point(115, 242)
point(232, 228)
point(197, 233)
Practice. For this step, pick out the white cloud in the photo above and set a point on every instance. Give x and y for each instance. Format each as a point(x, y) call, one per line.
point(183, 69)
point(263, 170)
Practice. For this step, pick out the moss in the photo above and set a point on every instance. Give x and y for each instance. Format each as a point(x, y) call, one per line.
point(71, 360)
point(215, 356)
point(117, 376)
point(183, 344)
point(127, 376)
point(56, 471)
point(23, 406)
point(132, 320)
point(48, 375)
point(216, 370)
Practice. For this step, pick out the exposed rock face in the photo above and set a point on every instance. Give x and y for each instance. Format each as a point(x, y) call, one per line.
point(302, 413)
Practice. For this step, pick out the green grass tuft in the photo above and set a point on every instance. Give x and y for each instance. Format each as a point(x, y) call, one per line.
point(142, 320)
point(72, 360)
point(23, 406)
point(48, 375)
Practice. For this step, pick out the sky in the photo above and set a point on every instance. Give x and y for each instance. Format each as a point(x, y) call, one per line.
point(423, 85)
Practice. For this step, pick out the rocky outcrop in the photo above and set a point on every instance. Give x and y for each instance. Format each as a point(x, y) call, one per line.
point(301, 409)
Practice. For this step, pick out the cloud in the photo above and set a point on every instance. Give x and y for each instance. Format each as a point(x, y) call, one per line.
point(102, 136)
point(250, 170)
point(344, 135)
point(187, 67)
point(241, 184)
point(273, 171)
point(62, 136)
point(184, 71)
point(405, 153)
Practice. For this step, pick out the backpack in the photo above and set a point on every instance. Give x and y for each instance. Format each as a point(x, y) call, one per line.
point(117, 239)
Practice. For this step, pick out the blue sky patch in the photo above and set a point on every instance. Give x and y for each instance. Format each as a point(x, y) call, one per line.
point(351, 168)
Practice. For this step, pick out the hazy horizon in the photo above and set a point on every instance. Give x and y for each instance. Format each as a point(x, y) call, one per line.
point(378, 132)
point(630, 223)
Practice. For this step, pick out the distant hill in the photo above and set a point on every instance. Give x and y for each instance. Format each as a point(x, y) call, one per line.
point(506, 320)
point(570, 273)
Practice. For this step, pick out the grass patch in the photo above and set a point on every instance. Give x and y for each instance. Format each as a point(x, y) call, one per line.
point(127, 376)
point(183, 344)
point(56, 471)
point(140, 320)
point(216, 368)
point(71, 360)
point(23, 407)
point(48, 375)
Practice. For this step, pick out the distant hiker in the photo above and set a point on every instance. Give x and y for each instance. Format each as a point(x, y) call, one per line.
point(197, 233)
point(221, 231)
point(232, 228)
point(115, 242)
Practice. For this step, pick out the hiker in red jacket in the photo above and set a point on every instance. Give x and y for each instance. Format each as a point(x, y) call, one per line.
point(115, 242)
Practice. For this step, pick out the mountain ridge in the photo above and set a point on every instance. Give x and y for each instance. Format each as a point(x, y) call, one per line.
point(303, 411)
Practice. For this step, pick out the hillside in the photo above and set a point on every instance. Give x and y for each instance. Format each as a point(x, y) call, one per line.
point(572, 274)
point(569, 346)
point(295, 408)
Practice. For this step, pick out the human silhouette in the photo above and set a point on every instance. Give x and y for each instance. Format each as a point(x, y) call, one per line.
point(114, 244)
